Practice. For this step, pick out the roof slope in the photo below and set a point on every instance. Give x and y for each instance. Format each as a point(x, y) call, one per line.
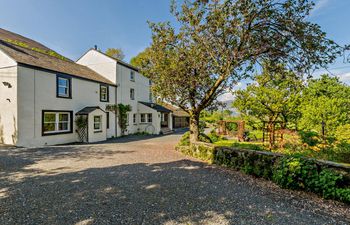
point(156, 107)
point(176, 111)
point(88, 110)
point(26, 51)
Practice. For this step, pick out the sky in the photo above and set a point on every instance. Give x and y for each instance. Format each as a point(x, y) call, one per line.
point(71, 27)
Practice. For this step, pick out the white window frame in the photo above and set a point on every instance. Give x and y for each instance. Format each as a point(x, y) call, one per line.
point(65, 95)
point(104, 96)
point(96, 130)
point(57, 122)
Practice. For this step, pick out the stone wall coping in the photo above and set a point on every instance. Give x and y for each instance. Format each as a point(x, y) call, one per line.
point(322, 162)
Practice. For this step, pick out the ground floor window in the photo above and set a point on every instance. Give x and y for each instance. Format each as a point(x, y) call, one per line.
point(149, 117)
point(97, 123)
point(143, 118)
point(134, 118)
point(56, 122)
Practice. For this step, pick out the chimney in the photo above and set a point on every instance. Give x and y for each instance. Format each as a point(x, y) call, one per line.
point(95, 47)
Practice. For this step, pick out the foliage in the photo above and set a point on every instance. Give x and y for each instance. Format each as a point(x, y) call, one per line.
point(141, 60)
point(121, 110)
point(275, 96)
point(185, 139)
point(46, 52)
point(342, 133)
point(311, 138)
point(116, 53)
point(325, 100)
point(297, 173)
point(81, 123)
point(218, 43)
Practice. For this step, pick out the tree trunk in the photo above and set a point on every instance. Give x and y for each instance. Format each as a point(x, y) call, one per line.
point(194, 127)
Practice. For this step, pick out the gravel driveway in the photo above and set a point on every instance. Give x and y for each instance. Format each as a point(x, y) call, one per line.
point(138, 180)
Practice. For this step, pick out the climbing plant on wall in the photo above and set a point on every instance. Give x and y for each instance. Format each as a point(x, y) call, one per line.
point(122, 111)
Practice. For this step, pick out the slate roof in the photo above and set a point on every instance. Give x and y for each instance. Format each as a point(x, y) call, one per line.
point(156, 107)
point(31, 53)
point(176, 111)
point(88, 110)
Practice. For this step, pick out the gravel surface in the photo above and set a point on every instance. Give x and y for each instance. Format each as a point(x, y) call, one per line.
point(137, 180)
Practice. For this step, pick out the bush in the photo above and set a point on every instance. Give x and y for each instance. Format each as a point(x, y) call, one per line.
point(310, 138)
point(342, 133)
point(185, 139)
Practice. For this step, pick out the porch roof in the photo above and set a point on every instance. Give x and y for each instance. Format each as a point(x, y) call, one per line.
point(156, 107)
point(88, 110)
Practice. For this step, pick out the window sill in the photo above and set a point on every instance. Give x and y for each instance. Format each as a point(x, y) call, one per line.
point(57, 133)
point(98, 131)
point(66, 97)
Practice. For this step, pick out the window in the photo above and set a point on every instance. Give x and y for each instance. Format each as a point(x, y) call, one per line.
point(107, 115)
point(104, 93)
point(56, 122)
point(132, 94)
point(149, 117)
point(150, 97)
point(134, 118)
point(63, 86)
point(97, 124)
point(143, 118)
point(150, 82)
point(132, 75)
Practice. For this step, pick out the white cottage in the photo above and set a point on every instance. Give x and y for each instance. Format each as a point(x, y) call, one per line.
point(44, 95)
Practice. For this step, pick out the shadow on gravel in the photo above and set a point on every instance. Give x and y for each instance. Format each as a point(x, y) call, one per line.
point(168, 193)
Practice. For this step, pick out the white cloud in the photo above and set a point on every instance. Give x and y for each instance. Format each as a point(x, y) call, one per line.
point(228, 96)
point(345, 77)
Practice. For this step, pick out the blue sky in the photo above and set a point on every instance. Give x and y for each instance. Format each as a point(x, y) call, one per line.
point(73, 26)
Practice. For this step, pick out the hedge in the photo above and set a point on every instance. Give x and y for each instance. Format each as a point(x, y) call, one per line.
point(327, 179)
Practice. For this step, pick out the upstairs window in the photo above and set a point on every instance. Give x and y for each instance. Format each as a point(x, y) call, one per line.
point(150, 97)
point(63, 86)
point(132, 94)
point(104, 93)
point(132, 75)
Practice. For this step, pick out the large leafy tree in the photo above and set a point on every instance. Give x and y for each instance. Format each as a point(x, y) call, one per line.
point(325, 105)
point(116, 53)
point(218, 43)
point(274, 97)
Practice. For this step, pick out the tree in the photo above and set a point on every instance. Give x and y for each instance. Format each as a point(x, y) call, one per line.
point(116, 53)
point(219, 43)
point(274, 96)
point(325, 105)
point(141, 60)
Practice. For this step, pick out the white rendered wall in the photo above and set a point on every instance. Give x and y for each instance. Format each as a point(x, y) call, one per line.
point(37, 92)
point(97, 136)
point(8, 100)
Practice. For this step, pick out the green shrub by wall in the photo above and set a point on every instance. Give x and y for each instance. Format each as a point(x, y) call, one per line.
point(329, 180)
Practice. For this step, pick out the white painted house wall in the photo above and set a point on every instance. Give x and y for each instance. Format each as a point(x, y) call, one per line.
point(103, 65)
point(8, 100)
point(37, 92)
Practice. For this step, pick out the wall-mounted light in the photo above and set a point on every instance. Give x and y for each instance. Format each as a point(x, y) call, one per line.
point(7, 84)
